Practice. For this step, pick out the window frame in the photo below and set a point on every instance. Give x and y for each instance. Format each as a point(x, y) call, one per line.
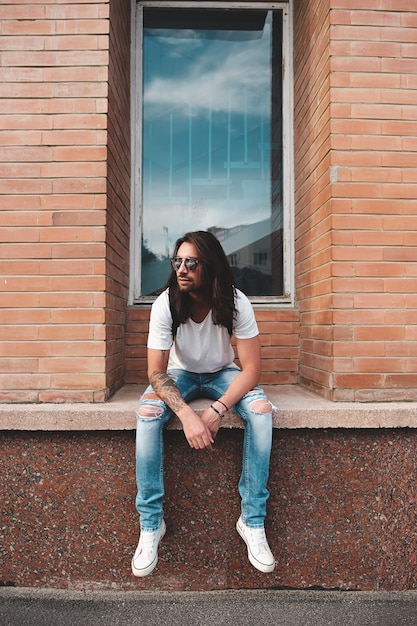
point(135, 297)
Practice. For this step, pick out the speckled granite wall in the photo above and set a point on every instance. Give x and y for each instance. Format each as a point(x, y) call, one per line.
point(342, 512)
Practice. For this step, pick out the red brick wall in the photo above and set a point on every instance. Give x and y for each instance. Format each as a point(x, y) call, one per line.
point(118, 192)
point(356, 224)
point(60, 281)
point(64, 200)
point(312, 190)
point(374, 116)
point(279, 330)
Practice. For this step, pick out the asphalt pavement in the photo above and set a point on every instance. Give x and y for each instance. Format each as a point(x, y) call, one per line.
point(47, 607)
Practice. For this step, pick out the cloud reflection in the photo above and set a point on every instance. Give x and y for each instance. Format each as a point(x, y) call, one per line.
point(194, 73)
point(212, 74)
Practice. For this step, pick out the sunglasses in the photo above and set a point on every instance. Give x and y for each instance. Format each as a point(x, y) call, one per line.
point(189, 263)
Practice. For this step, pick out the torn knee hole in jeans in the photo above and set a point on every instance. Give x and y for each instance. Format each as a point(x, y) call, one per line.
point(261, 406)
point(149, 409)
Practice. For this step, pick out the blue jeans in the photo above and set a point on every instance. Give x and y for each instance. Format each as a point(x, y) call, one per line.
point(150, 445)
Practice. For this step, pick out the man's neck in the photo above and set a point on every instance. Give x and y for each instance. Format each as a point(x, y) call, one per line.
point(200, 298)
point(200, 306)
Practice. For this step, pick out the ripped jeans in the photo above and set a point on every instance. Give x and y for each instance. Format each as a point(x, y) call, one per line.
point(256, 445)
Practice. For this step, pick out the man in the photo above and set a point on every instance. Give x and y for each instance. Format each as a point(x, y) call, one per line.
point(189, 356)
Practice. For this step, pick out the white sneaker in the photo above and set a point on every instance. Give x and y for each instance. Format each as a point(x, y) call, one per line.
point(259, 553)
point(146, 555)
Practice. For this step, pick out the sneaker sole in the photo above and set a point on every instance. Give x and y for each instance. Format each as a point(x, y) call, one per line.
point(265, 569)
point(139, 573)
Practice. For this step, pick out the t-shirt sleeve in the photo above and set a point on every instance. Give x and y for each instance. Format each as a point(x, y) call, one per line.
point(245, 326)
point(160, 325)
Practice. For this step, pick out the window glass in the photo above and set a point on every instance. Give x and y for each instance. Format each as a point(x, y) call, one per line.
point(212, 140)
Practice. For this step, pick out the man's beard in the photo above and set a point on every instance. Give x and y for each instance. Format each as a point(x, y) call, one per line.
point(191, 287)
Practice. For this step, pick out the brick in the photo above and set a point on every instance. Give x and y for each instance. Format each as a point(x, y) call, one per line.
point(18, 267)
point(355, 127)
point(401, 380)
point(410, 301)
point(22, 366)
point(17, 138)
point(9, 235)
point(402, 348)
point(79, 10)
point(80, 153)
point(396, 285)
point(21, 170)
point(136, 333)
point(13, 382)
point(399, 65)
point(20, 333)
point(345, 253)
point(72, 186)
point(66, 365)
point(77, 382)
point(25, 153)
point(78, 218)
point(74, 284)
point(22, 43)
point(25, 251)
point(380, 17)
point(75, 201)
point(77, 316)
point(27, 27)
point(61, 80)
point(75, 41)
point(61, 267)
point(366, 285)
point(52, 58)
point(82, 26)
point(72, 234)
point(277, 327)
point(77, 250)
point(73, 170)
point(355, 32)
point(61, 396)
point(370, 64)
point(25, 349)
point(49, 299)
point(407, 255)
point(359, 380)
point(380, 333)
point(71, 137)
point(66, 333)
point(21, 12)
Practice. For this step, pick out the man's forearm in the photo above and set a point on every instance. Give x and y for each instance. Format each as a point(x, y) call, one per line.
point(242, 384)
point(167, 390)
point(197, 433)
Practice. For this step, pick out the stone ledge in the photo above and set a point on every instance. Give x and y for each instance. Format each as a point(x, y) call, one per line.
point(296, 408)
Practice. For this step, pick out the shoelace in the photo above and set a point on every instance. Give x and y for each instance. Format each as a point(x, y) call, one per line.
point(259, 538)
point(147, 541)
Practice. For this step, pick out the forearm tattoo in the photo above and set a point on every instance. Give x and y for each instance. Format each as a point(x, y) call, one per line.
point(167, 390)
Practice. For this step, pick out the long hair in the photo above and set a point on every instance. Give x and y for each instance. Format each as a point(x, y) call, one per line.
point(217, 277)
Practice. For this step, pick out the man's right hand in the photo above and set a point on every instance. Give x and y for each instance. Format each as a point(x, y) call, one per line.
point(196, 432)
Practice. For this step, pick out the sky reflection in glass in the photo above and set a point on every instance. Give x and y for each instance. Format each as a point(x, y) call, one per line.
point(206, 141)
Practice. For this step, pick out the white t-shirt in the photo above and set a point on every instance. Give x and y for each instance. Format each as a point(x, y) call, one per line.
point(203, 347)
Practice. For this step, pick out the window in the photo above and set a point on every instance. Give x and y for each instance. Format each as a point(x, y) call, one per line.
point(212, 119)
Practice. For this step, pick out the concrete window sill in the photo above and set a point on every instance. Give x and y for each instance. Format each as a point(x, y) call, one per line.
point(295, 408)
